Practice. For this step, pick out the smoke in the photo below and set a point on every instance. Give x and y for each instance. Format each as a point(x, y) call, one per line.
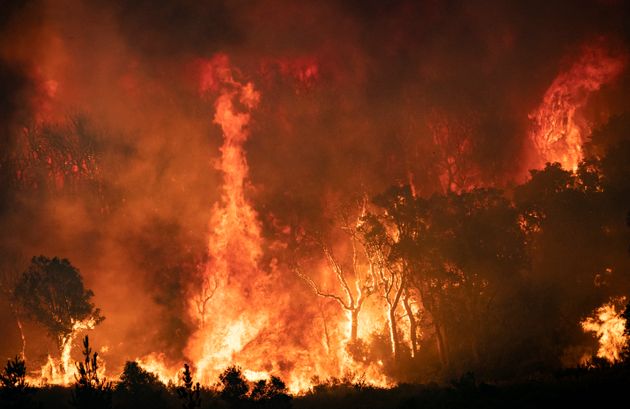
point(355, 96)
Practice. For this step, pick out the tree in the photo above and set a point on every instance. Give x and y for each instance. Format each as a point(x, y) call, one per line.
point(573, 225)
point(14, 390)
point(13, 375)
point(134, 377)
point(90, 390)
point(271, 393)
point(139, 388)
point(189, 393)
point(447, 256)
point(454, 149)
point(356, 282)
point(234, 387)
point(9, 275)
point(391, 278)
point(51, 292)
point(201, 300)
point(482, 249)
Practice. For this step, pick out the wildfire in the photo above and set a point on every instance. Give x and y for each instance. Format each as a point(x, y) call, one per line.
point(227, 322)
point(608, 325)
point(61, 371)
point(238, 307)
point(559, 127)
point(155, 363)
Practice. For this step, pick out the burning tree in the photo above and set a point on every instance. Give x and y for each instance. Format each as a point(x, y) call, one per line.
point(354, 279)
point(394, 235)
point(442, 258)
point(207, 289)
point(51, 292)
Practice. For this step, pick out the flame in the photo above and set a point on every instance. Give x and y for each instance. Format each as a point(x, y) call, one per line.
point(254, 376)
point(155, 363)
point(559, 127)
point(62, 371)
point(227, 321)
point(609, 326)
point(239, 308)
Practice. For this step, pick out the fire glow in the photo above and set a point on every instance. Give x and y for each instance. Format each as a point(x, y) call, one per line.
point(232, 200)
point(609, 327)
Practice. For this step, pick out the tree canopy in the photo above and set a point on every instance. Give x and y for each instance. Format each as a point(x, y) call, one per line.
point(51, 292)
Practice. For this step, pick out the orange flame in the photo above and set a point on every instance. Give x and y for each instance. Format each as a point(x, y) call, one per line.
point(234, 245)
point(241, 307)
point(608, 325)
point(155, 363)
point(559, 128)
point(61, 371)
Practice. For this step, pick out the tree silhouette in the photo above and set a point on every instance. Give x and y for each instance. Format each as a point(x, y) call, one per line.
point(14, 390)
point(14, 374)
point(90, 391)
point(271, 393)
point(234, 386)
point(381, 233)
point(139, 388)
point(51, 292)
point(134, 377)
point(189, 392)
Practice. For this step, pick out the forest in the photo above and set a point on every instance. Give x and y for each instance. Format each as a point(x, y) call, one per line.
point(321, 203)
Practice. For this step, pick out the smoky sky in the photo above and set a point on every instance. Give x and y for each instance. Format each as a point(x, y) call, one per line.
point(358, 123)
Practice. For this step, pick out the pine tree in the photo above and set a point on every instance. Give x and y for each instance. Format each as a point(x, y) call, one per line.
point(189, 393)
point(89, 390)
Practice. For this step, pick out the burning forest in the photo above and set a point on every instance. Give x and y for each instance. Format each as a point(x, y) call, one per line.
point(245, 201)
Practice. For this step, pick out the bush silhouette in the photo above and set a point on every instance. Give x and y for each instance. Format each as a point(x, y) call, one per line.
point(14, 390)
point(139, 388)
point(13, 376)
point(234, 385)
point(271, 393)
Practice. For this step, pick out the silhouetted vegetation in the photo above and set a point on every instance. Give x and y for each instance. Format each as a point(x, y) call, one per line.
point(234, 387)
point(271, 393)
point(582, 387)
point(51, 292)
point(13, 376)
point(189, 392)
point(139, 388)
point(90, 390)
point(14, 390)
